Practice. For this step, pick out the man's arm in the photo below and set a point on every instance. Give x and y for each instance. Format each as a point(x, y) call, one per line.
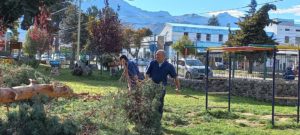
point(177, 83)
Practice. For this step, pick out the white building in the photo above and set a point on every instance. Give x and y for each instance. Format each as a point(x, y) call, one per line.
point(286, 32)
point(201, 35)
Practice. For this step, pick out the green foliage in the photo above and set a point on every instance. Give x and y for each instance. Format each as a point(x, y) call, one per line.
point(69, 24)
point(141, 106)
point(30, 46)
point(213, 21)
point(252, 32)
point(33, 120)
point(180, 46)
point(252, 9)
point(12, 10)
point(19, 75)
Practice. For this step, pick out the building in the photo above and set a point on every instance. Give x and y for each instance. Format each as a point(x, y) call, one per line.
point(286, 32)
point(201, 35)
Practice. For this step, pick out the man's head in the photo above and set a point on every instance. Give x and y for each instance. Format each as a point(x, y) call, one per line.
point(160, 56)
point(123, 59)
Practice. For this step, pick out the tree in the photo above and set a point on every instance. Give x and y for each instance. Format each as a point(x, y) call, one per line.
point(12, 10)
point(134, 38)
point(252, 9)
point(184, 44)
point(213, 21)
point(35, 46)
point(107, 32)
point(92, 14)
point(252, 32)
point(68, 32)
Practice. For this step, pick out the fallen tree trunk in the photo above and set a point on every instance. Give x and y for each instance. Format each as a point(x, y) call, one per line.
point(19, 93)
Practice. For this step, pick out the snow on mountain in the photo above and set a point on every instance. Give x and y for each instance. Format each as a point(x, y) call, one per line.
point(137, 17)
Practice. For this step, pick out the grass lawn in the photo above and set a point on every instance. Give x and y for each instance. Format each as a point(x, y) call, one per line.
point(184, 114)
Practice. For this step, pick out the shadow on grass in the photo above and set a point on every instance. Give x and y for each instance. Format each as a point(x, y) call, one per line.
point(173, 132)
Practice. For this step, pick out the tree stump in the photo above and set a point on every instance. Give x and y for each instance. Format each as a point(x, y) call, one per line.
point(8, 95)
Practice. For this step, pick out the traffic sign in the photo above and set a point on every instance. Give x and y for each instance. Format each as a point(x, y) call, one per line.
point(152, 48)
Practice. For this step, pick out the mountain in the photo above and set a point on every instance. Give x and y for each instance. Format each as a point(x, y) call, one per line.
point(137, 17)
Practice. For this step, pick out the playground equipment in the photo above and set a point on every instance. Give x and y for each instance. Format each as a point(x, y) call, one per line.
point(253, 48)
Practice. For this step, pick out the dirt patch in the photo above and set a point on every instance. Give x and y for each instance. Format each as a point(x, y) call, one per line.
point(248, 114)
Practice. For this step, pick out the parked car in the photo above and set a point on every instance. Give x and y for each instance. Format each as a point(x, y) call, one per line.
point(192, 69)
point(141, 62)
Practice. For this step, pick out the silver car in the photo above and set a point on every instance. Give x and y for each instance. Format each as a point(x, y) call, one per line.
point(192, 69)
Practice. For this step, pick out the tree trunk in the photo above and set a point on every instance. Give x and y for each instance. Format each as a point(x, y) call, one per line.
point(72, 61)
point(250, 69)
point(19, 93)
point(1, 78)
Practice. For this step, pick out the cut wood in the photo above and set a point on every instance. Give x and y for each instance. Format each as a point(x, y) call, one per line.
point(19, 93)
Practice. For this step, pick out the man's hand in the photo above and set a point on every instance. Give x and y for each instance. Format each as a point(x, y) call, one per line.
point(177, 91)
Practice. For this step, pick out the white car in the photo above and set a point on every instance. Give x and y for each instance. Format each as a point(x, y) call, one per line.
point(192, 69)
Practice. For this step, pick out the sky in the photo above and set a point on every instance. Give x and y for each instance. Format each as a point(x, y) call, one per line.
point(287, 9)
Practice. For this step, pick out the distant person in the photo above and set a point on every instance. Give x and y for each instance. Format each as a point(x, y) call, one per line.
point(131, 72)
point(158, 71)
point(289, 74)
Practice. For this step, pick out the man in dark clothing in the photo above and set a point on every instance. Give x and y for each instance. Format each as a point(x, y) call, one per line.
point(289, 74)
point(131, 72)
point(158, 71)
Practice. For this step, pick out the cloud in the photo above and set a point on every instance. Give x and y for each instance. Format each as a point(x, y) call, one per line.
point(293, 10)
point(234, 13)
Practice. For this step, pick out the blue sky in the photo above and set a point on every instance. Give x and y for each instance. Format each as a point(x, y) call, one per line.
point(288, 9)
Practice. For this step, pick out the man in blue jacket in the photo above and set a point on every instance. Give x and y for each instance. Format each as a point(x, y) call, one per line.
point(131, 72)
point(158, 71)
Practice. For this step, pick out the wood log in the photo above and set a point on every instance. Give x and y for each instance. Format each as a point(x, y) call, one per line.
point(8, 95)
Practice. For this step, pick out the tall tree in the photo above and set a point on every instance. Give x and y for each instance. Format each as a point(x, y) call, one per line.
point(213, 21)
point(35, 46)
point(107, 32)
point(12, 10)
point(252, 32)
point(93, 18)
point(252, 9)
point(183, 45)
point(68, 32)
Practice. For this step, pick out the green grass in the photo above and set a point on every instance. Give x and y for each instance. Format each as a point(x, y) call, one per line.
point(184, 114)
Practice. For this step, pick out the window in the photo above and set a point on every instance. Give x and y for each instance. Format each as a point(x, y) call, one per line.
point(298, 40)
point(208, 36)
point(186, 34)
point(220, 38)
point(181, 63)
point(286, 39)
point(298, 30)
point(287, 29)
point(198, 36)
point(218, 59)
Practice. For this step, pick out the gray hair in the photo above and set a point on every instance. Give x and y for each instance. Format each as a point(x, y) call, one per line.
point(161, 51)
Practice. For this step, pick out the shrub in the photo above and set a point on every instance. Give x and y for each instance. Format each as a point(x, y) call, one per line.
point(29, 61)
point(14, 75)
point(141, 108)
point(33, 120)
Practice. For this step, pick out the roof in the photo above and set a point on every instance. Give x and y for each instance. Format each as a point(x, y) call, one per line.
point(201, 26)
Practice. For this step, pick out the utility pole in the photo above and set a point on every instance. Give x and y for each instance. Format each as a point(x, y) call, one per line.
point(78, 34)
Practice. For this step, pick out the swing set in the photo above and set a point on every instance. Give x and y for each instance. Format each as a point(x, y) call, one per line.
point(253, 48)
